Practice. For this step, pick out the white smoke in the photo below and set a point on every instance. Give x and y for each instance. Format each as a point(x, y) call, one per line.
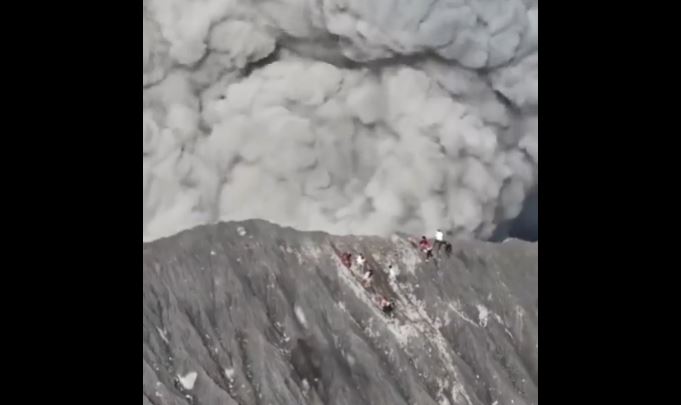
point(360, 116)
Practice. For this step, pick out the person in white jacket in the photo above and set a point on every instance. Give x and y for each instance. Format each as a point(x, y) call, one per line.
point(439, 239)
point(439, 236)
point(360, 261)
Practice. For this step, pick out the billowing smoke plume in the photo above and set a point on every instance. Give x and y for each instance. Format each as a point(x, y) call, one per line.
point(349, 116)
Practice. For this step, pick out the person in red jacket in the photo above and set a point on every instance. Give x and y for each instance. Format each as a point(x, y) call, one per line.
point(346, 258)
point(426, 247)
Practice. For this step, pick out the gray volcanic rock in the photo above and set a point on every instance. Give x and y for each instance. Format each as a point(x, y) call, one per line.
point(251, 313)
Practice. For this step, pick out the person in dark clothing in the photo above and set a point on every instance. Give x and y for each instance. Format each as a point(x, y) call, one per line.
point(386, 305)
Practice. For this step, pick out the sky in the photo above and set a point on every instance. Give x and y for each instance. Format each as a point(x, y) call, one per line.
point(345, 116)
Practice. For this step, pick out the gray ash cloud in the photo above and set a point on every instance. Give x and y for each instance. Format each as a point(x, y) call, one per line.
point(344, 116)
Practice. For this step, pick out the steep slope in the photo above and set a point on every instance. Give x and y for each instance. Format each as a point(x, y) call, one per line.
point(252, 313)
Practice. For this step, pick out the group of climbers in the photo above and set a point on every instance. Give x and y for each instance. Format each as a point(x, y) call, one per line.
point(386, 305)
point(367, 273)
point(438, 242)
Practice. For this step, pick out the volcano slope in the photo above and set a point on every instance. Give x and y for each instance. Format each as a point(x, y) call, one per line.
point(251, 313)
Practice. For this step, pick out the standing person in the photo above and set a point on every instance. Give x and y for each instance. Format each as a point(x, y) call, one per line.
point(439, 239)
point(426, 247)
point(360, 261)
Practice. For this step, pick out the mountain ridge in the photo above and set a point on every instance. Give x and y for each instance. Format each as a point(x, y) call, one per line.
point(253, 313)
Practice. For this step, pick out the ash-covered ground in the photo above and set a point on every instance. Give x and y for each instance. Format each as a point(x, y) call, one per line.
point(251, 313)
